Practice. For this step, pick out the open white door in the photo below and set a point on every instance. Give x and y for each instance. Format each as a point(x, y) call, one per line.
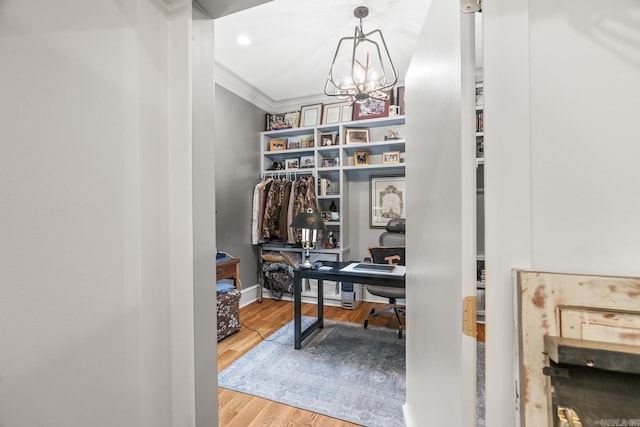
point(440, 105)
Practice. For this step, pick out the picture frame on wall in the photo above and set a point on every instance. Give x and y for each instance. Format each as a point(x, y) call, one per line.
point(372, 109)
point(356, 136)
point(388, 199)
point(310, 115)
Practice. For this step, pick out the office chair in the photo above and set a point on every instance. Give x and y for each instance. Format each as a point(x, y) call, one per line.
point(390, 251)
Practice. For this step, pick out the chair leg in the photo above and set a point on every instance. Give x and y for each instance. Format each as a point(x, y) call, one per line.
point(394, 309)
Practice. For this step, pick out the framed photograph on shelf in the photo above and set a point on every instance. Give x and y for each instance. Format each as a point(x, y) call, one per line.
point(276, 121)
point(327, 139)
point(361, 158)
point(399, 99)
point(292, 119)
point(293, 142)
point(290, 164)
point(277, 145)
point(390, 157)
point(388, 199)
point(307, 141)
point(347, 113)
point(332, 113)
point(372, 109)
point(307, 161)
point(310, 115)
point(356, 136)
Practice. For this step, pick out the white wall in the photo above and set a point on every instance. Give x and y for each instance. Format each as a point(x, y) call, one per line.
point(561, 175)
point(96, 315)
point(441, 222)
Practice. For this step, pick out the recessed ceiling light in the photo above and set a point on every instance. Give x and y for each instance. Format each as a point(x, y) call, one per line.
point(244, 40)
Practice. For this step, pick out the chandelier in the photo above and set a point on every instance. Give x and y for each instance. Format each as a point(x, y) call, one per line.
point(362, 68)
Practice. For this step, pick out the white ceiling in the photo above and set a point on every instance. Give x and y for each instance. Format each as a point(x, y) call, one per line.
point(293, 43)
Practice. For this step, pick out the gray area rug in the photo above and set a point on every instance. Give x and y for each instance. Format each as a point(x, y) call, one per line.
point(480, 385)
point(344, 371)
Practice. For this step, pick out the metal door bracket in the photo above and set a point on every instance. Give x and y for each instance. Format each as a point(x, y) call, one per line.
point(469, 325)
point(567, 417)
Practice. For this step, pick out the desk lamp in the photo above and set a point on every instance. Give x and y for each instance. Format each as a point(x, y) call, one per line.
point(310, 223)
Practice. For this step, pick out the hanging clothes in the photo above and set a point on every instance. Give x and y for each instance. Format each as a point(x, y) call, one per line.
point(276, 201)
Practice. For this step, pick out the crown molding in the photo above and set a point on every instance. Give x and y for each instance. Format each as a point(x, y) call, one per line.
point(173, 5)
point(230, 81)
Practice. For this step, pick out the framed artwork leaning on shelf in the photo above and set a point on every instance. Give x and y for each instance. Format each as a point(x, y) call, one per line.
point(361, 158)
point(388, 199)
point(372, 109)
point(290, 164)
point(277, 145)
point(307, 161)
point(332, 113)
point(356, 136)
point(390, 157)
point(310, 115)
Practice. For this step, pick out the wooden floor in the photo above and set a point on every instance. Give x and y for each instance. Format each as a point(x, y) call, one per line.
point(259, 320)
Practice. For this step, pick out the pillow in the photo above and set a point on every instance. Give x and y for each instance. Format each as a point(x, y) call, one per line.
point(224, 285)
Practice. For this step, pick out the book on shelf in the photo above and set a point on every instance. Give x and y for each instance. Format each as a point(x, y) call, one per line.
point(325, 186)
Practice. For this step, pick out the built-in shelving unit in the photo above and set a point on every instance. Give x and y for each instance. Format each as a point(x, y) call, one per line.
point(331, 154)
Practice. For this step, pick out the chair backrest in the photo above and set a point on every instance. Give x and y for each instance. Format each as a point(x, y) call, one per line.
point(387, 254)
point(392, 244)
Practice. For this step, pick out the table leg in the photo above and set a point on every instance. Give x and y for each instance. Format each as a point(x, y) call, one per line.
point(320, 303)
point(297, 310)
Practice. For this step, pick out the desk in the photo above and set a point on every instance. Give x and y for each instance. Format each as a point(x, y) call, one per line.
point(363, 277)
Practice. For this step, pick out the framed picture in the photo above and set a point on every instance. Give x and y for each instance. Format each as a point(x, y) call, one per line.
point(292, 119)
point(371, 109)
point(277, 144)
point(361, 158)
point(389, 157)
point(291, 163)
point(276, 121)
point(307, 141)
point(293, 142)
point(388, 199)
point(327, 139)
point(307, 161)
point(357, 136)
point(332, 113)
point(347, 113)
point(399, 99)
point(329, 163)
point(310, 115)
